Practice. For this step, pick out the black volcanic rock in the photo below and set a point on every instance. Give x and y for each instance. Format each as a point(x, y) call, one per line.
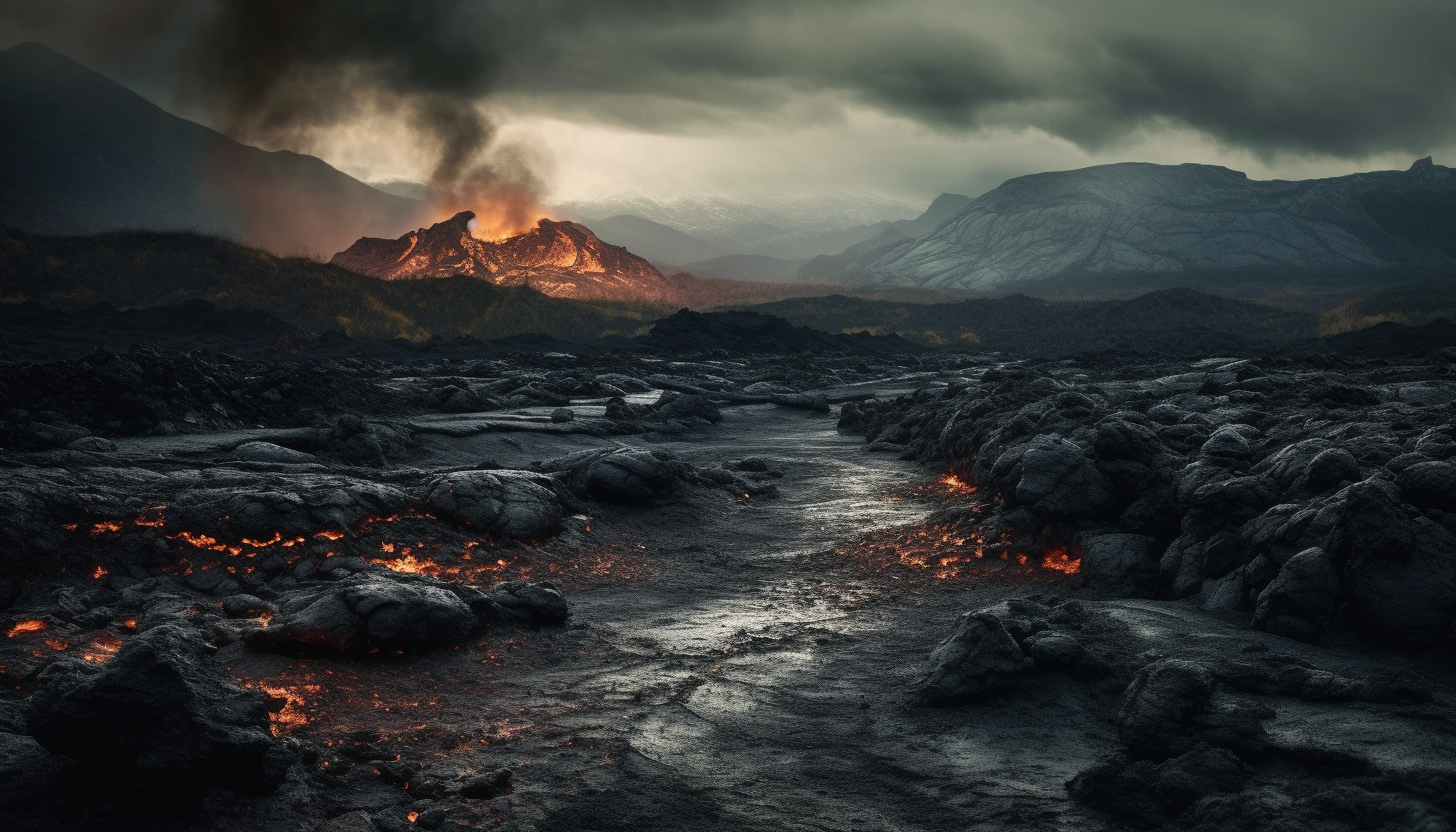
point(755, 332)
point(160, 717)
point(1183, 321)
point(514, 504)
point(374, 612)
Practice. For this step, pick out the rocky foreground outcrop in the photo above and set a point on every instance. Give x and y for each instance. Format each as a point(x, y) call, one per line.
point(561, 259)
point(1300, 492)
point(1210, 734)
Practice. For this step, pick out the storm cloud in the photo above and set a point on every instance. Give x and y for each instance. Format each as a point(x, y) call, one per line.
point(1332, 77)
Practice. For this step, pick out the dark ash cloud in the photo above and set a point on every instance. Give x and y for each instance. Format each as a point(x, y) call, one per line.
point(1335, 77)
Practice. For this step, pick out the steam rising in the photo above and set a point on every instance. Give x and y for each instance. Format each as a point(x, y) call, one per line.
point(1339, 77)
point(279, 69)
point(279, 73)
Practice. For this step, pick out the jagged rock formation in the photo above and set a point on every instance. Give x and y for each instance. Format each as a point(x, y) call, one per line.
point(562, 259)
point(1137, 218)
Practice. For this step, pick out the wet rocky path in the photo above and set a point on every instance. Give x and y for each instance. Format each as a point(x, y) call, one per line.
point(724, 669)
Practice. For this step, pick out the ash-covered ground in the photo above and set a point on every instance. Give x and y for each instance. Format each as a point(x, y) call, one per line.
point(707, 589)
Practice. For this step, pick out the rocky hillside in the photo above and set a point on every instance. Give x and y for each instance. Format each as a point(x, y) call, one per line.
point(561, 259)
point(80, 153)
point(1160, 220)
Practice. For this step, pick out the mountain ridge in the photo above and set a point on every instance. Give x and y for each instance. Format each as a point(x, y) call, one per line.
point(82, 154)
point(1143, 218)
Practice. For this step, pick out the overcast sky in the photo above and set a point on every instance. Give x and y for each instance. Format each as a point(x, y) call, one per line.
point(899, 98)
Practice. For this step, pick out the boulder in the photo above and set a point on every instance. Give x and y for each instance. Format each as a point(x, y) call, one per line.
point(1226, 443)
point(269, 452)
point(1289, 464)
point(1399, 566)
point(1054, 478)
point(516, 504)
point(1151, 794)
point(531, 602)
point(1302, 599)
point(370, 612)
point(160, 717)
point(1120, 563)
point(683, 406)
point(1123, 436)
point(1430, 485)
point(978, 659)
point(631, 476)
point(1159, 706)
point(353, 440)
point(1328, 469)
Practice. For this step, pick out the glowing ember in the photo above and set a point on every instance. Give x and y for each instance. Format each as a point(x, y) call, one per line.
point(99, 573)
point(955, 485)
point(291, 715)
point(151, 518)
point(1057, 559)
point(201, 541)
point(330, 535)
point(951, 551)
point(57, 644)
point(30, 626)
point(409, 565)
point(108, 526)
point(102, 648)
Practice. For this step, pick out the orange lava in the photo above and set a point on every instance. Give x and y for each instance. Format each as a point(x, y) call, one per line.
point(151, 518)
point(1058, 559)
point(950, 552)
point(409, 564)
point(954, 485)
point(101, 649)
point(99, 573)
point(108, 526)
point(291, 715)
point(29, 626)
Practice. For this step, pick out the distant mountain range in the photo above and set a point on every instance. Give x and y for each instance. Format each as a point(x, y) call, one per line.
point(80, 153)
point(785, 228)
point(1191, 224)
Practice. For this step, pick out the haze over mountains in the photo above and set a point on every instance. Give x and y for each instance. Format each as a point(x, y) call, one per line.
point(775, 227)
point(84, 154)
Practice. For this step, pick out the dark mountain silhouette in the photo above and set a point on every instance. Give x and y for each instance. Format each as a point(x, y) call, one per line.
point(80, 153)
point(1178, 319)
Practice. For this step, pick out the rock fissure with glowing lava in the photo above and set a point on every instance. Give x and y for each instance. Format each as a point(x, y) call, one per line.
point(561, 259)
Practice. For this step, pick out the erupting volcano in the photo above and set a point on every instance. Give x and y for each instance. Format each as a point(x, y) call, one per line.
point(562, 259)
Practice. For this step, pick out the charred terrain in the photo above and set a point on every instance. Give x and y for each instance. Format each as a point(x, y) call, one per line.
point(733, 574)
